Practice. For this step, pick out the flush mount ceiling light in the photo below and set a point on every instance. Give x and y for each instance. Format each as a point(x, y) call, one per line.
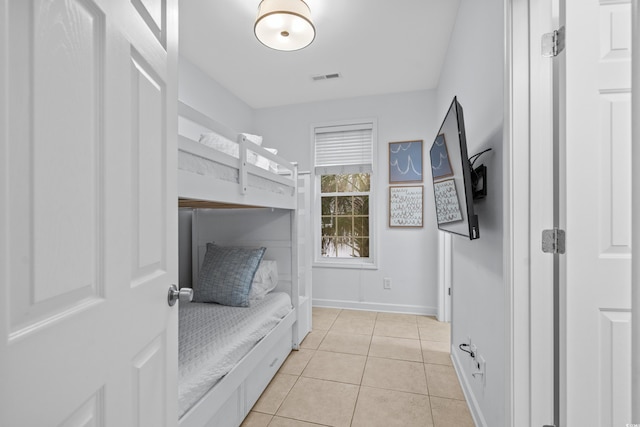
point(284, 24)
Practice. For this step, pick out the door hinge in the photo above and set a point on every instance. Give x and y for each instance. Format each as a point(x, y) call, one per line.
point(449, 291)
point(553, 43)
point(553, 241)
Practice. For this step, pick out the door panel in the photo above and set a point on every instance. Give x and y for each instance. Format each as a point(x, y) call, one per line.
point(149, 385)
point(149, 169)
point(54, 284)
point(88, 226)
point(598, 213)
point(68, 48)
point(615, 173)
point(615, 361)
point(88, 414)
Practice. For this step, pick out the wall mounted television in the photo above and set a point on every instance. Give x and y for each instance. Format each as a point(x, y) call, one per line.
point(452, 177)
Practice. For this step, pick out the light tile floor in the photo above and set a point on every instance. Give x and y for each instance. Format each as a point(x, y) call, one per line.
point(366, 369)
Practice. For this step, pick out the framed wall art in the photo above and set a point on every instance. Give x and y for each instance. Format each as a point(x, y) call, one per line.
point(405, 162)
point(406, 206)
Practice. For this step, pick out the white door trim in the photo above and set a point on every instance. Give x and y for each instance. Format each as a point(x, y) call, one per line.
point(635, 217)
point(528, 208)
point(516, 212)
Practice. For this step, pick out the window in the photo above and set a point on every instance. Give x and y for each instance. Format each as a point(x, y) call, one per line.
point(344, 193)
point(345, 215)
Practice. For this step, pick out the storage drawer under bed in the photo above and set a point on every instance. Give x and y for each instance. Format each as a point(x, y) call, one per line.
point(264, 372)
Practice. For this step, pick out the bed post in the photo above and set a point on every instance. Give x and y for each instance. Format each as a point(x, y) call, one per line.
point(295, 285)
point(242, 178)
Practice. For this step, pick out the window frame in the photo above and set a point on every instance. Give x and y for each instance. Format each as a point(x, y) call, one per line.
point(334, 262)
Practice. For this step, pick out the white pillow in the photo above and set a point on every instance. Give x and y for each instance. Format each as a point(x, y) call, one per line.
point(265, 280)
point(273, 166)
point(220, 143)
point(266, 164)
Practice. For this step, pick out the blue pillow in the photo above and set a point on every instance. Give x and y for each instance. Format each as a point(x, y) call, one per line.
point(226, 275)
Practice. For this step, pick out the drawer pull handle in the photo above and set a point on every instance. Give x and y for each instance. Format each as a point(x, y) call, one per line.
point(273, 363)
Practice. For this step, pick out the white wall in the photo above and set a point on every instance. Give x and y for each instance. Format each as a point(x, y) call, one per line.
point(473, 71)
point(209, 97)
point(407, 256)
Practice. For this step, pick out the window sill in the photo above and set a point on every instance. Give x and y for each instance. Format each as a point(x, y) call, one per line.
point(353, 265)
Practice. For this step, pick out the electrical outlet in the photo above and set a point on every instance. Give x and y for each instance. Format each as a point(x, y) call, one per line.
point(480, 369)
point(386, 283)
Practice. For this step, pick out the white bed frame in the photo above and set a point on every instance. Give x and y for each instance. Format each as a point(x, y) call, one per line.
point(276, 228)
point(194, 186)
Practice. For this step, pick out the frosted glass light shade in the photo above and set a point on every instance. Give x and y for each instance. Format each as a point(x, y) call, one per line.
point(284, 24)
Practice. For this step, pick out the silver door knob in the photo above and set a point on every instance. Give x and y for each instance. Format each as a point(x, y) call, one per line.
point(182, 294)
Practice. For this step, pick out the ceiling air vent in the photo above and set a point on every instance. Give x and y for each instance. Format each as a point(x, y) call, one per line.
point(326, 77)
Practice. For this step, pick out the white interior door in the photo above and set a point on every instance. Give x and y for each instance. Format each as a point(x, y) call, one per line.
point(444, 277)
point(88, 222)
point(597, 298)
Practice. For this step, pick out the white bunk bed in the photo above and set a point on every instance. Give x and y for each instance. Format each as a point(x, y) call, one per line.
point(237, 201)
point(211, 175)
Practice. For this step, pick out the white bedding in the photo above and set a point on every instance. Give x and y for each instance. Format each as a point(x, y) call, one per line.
point(213, 338)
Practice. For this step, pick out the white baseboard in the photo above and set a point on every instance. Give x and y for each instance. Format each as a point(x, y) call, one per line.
point(474, 408)
point(370, 306)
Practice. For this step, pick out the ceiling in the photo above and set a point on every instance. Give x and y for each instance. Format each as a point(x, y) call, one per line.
point(378, 47)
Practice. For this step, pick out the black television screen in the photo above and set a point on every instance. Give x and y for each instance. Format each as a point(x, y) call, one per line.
point(451, 172)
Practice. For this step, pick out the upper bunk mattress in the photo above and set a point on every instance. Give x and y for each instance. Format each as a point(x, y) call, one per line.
point(213, 338)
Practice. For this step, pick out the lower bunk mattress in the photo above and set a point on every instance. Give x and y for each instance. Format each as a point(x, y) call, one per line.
point(213, 338)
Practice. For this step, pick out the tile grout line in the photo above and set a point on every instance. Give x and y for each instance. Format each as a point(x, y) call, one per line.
point(285, 398)
point(433, 420)
point(355, 405)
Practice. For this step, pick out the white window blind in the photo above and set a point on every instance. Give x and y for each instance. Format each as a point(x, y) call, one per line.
point(344, 149)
